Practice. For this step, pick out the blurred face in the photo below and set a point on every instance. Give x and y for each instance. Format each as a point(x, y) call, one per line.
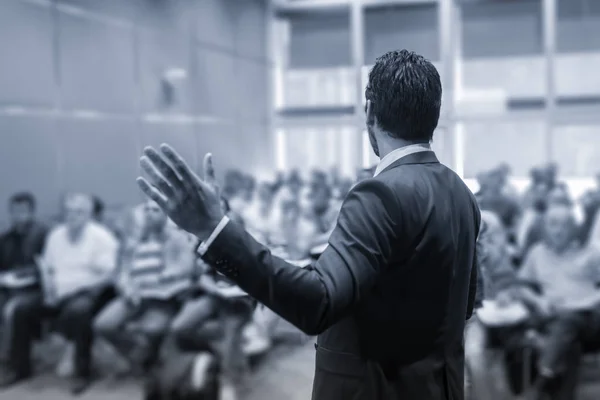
point(21, 214)
point(321, 200)
point(78, 211)
point(559, 196)
point(305, 201)
point(559, 227)
point(154, 217)
point(265, 194)
point(494, 240)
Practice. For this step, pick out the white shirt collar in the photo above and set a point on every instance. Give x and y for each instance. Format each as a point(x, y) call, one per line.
point(399, 153)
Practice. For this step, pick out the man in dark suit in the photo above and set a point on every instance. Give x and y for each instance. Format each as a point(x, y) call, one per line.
point(20, 290)
point(390, 295)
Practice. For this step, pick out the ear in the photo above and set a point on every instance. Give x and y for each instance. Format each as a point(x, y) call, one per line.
point(369, 113)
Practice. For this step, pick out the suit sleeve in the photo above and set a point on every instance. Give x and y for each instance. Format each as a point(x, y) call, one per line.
point(315, 297)
point(476, 295)
point(475, 288)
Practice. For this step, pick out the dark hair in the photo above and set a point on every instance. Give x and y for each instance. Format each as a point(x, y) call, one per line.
point(23, 197)
point(405, 92)
point(323, 189)
point(98, 207)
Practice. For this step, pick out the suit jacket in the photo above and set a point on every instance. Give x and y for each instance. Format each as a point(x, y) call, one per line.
point(390, 295)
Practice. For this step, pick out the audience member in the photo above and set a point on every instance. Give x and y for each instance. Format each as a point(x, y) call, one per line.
point(98, 212)
point(20, 290)
point(156, 268)
point(232, 308)
point(78, 268)
point(258, 216)
point(165, 293)
point(566, 276)
point(498, 280)
point(491, 197)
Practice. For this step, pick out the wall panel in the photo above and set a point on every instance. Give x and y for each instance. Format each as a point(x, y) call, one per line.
point(320, 40)
point(26, 70)
point(214, 24)
point(159, 52)
point(393, 28)
point(29, 162)
point(107, 57)
point(97, 67)
point(219, 140)
point(181, 137)
point(501, 28)
point(251, 29)
point(215, 85)
point(252, 87)
point(100, 157)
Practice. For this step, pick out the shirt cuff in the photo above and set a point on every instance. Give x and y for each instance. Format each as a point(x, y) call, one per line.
point(203, 246)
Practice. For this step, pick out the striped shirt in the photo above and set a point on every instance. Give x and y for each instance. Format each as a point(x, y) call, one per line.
point(161, 269)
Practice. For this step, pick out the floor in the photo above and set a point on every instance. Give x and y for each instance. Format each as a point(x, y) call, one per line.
point(291, 363)
point(293, 366)
point(285, 375)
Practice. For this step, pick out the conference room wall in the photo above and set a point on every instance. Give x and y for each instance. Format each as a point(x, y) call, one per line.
point(81, 91)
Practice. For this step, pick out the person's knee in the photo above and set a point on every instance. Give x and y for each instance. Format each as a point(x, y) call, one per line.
point(181, 329)
point(104, 327)
point(19, 308)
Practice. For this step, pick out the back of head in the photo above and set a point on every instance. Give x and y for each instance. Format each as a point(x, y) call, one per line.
point(22, 208)
point(405, 96)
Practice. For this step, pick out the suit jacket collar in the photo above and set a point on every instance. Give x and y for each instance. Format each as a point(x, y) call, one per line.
point(399, 153)
point(422, 157)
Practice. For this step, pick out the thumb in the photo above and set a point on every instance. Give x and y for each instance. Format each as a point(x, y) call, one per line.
point(209, 170)
point(209, 174)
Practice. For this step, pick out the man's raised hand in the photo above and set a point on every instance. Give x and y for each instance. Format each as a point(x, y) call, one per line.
point(192, 203)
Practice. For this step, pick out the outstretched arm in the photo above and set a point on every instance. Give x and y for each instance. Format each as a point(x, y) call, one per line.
point(315, 297)
point(368, 235)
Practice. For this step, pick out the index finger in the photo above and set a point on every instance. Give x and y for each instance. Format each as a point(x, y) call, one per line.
point(188, 178)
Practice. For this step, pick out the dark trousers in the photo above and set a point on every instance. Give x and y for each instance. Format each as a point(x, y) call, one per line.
point(569, 334)
point(136, 331)
point(231, 316)
point(20, 327)
point(72, 318)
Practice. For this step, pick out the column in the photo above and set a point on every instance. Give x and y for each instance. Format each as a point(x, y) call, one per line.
point(357, 43)
point(549, 19)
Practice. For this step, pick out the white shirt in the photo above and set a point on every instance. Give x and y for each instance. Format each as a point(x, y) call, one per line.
point(397, 154)
point(73, 266)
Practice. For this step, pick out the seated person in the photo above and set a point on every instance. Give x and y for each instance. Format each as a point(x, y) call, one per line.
point(498, 280)
point(233, 309)
point(156, 269)
point(77, 267)
point(19, 282)
point(258, 214)
point(316, 206)
point(296, 230)
point(567, 276)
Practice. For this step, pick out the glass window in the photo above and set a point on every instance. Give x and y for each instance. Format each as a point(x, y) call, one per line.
point(521, 144)
point(306, 148)
point(576, 149)
point(319, 87)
